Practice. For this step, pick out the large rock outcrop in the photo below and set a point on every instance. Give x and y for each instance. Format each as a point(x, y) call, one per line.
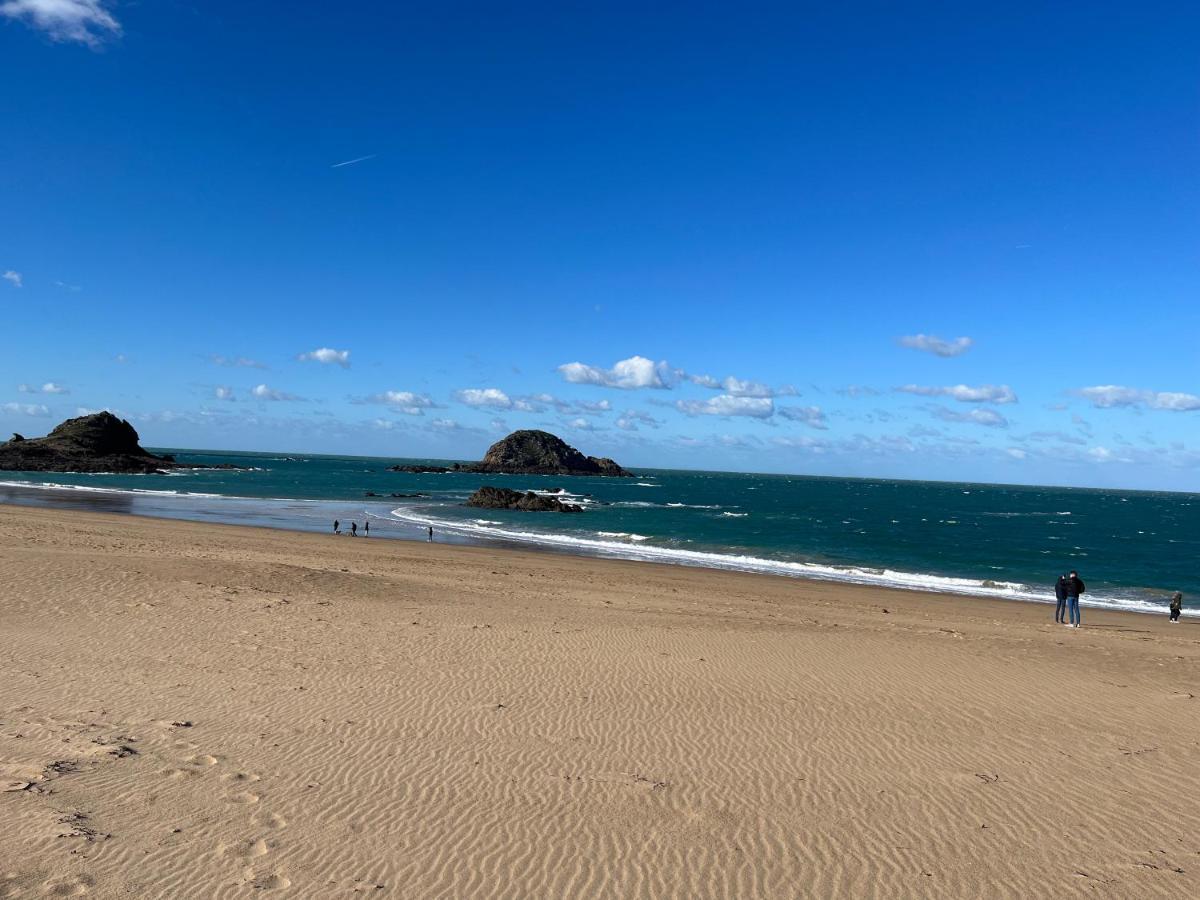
point(541, 453)
point(527, 453)
point(99, 442)
point(488, 497)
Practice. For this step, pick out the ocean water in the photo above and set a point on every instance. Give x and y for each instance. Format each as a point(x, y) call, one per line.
point(1131, 547)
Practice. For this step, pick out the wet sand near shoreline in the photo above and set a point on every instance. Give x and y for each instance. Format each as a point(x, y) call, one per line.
point(208, 710)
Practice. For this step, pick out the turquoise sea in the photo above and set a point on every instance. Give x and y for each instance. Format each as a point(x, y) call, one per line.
point(1131, 547)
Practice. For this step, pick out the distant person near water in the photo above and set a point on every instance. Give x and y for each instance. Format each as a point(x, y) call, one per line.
point(431, 534)
point(353, 529)
point(1075, 587)
point(1176, 606)
point(366, 529)
point(1060, 594)
point(337, 527)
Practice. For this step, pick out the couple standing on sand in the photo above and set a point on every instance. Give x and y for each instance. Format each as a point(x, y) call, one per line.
point(1067, 591)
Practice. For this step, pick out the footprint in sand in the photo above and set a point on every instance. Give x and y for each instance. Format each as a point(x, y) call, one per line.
point(201, 759)
point(245, 798)
point(273, 882)
point(249, 849)
point(272, 820)
point(70, 886)
point(240, 777)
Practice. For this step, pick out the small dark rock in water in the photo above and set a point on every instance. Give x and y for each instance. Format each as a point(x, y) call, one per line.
point(424, 470)
point(408, 495)
point(488, 497)
point(370, 494)
point(99, 442)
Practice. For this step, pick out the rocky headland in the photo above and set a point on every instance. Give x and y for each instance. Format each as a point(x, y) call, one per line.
point(99, 442)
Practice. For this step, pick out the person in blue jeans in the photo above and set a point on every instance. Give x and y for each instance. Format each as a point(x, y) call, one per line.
point(1074, 589)
point(1060, 594)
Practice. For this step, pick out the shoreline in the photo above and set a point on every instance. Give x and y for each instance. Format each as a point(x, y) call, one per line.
point(196, 709)
point(394, 522)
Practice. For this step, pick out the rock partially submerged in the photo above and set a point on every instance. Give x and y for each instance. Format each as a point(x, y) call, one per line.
point(527, 453)
point(488, 497)
point(99, 442)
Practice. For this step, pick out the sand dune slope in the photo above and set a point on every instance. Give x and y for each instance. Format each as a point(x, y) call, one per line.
point(204, 711)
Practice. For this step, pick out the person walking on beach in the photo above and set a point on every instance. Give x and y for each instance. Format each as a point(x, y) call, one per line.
point(1060, 594)
point(366, 529)
point(337, 527)
point(431, 534)
point(353, 529)
point(1176, 606)
point(1074, 589)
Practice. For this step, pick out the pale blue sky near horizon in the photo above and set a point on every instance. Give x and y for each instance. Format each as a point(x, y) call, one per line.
point(945, 241)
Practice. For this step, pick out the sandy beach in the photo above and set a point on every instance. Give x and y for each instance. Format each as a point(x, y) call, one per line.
point(193, 710)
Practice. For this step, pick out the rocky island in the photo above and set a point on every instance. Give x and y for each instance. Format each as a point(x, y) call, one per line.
point(99, 442)
point(529, 453)
point(488, 497)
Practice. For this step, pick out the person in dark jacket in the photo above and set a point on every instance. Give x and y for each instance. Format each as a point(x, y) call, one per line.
point(353, 529)
point(1176, 606)
point(1075, 587)
point(1060, 594)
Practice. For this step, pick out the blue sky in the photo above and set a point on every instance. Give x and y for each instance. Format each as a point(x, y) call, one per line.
point(938, 240)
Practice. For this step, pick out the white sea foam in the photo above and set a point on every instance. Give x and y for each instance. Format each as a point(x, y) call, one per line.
point(1009, 590)
point(629, 536)
point(645, 484)
point(734, 515)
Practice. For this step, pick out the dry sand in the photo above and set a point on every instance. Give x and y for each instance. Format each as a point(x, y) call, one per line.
point(208, 711)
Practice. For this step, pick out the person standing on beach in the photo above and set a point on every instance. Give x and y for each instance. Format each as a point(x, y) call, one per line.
point(337, 526)
point(366, 529)
point(1074, 589)
point(353, 529)
point(431, 534)
point(1060, 594)
point(1176, 606)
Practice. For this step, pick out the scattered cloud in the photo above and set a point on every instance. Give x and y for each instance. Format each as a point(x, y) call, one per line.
point(327, 356)
point(986, 393)
point(627, 374)
point(980, 416)
point(1111, 396)
point(1017, 452)
point(489, 398)
point(632, 418)
point(402, 401)
point(928, 343)
point(73, 288)
point(858, 390)
point(121, 359)
point(1059, 436)
point(738, 387)
point(26, 409)
point(812, 416)
point(14, 278)
point(581, 424)
point(600, 406)
point(262, 392)
point(223, 392)
point(82, 21)
point(48, 388)
point(351, 162)
point(445, 425)
point(232, 362)
point(729, 405)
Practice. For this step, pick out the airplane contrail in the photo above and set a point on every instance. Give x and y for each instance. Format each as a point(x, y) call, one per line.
point(351, 162)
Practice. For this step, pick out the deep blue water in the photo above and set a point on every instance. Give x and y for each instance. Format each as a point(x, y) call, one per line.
point(1131, 547)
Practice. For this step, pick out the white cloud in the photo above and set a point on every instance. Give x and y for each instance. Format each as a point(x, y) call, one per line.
point(858, 390)
point(445, 425)
point(981, 416)
point(739, 387)
point(327, 356)
point(1109, 396)
point(403, 401)
point(223, 392)
point(48, 388)
point(262, 392)
point(581, 424)
point(10, 276)
point(491, 398)
point(233, 362)
point(627, 374)
point(729, 405)
point(928, 343)
point(986, 393)
point(601, 406)
point(85, 21)
point(1017, 453)
point(632, 418)
point(26, 409)
point(811, 416)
